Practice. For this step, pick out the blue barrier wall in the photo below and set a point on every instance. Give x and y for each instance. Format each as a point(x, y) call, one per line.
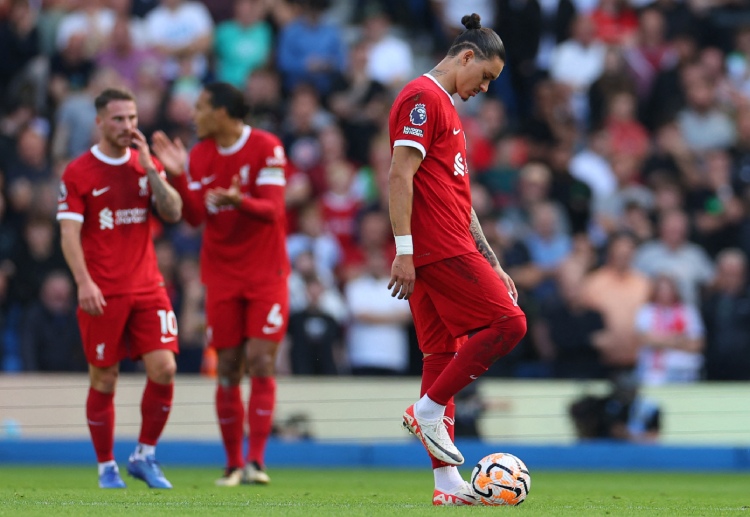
point(589, 456)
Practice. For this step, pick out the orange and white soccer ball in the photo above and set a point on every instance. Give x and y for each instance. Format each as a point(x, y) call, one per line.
point(501, 479)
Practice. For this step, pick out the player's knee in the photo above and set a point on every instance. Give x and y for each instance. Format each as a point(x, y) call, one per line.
point(163, 372)
point(261, 365)
point(104, 380)
point(510, 332)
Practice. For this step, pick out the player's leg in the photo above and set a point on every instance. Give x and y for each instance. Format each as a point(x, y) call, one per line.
point(224, 312)
point(425, 419)
point(470, 296)
point(152, 329)
point(230, 411)
point(438, 347)
point(101, 338)
point(266, 325)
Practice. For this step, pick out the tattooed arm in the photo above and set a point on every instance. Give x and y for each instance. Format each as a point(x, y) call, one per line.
point(484, 248)
point(481, 241)
point(167, 200)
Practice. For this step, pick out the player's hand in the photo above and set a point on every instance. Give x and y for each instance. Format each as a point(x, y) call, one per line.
point(171, 153)
point(403, 276)
point(231, 196)
point(509, 284)
point(144, 153)
point(91, 299)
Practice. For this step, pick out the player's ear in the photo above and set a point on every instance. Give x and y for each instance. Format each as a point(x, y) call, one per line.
point(467, 56)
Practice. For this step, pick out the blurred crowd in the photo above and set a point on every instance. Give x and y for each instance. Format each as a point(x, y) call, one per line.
point(611, 168)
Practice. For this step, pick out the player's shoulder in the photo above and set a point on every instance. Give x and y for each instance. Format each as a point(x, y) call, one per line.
point(262, 137)
point(78, 167)
point(420, 89)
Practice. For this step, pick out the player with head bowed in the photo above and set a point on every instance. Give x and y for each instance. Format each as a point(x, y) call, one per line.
point(444, 265)
point(105, 209)
point(234, 181)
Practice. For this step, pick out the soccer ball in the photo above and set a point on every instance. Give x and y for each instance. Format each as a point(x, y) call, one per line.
point(501, 479)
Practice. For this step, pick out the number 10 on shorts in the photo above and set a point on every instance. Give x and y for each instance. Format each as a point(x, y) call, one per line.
point(168, 322)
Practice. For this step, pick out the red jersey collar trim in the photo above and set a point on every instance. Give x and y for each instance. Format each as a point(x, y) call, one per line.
point(239, 144)
point(440, 86)
point(108, 159)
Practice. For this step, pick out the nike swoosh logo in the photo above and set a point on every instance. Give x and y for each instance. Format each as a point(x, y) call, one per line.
point(208, 180)
point(456, 131)
point(271, 330)
point(167, 339)
point(473, 377)
point(91, 422)
point(99, 192)
point(454, 457)
point(264, 412)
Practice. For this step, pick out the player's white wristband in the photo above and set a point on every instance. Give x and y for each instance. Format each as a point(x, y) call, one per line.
point(404, 245)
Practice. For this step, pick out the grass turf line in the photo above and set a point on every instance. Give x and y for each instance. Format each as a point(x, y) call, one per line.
point(72, 491)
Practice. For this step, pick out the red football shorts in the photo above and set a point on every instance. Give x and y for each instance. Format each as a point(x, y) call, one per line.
point(132, 325)
point(236, 315)
point(454, 297)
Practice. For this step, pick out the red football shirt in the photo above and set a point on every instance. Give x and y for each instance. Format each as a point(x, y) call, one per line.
point(424, 117)
point(244, 246)
point(112, 198)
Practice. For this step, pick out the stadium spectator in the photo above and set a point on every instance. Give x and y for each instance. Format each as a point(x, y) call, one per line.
point(181, 31)
point(591, 164)
point(578, 61)
point(242, 44)
point(19, 45)
point(441, 267)
point(122, 55)
point(702, 123)
point(50, 339)
point(310, 50)
point(671, 337)
point(389, 57)
point(91, 21)
point(566, 332)
point(377, 340)
point(717, 210)
point(673, 254)
point(315, 335)
point(726, 311)
point(105, 217)
point(651, 52)
point(358, 100)
point(617, 345)
point(235, 186)
point(312, 237)
point(31, 160)
point(615, 78)
point(37, 255)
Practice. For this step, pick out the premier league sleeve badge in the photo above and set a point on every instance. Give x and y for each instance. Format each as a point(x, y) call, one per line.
point(418, 115)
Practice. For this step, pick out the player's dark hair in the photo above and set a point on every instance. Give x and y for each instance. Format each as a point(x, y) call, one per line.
point(485, 42)
point(112, 94)
point(224, 95)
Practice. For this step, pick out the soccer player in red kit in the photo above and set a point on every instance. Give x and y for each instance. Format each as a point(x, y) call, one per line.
point(235, 183)
point(444, 265)
point(104, 209)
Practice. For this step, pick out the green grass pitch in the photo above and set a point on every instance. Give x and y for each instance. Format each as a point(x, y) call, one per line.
point(62, 491)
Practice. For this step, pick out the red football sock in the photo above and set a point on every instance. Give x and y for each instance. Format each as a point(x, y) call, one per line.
point(100, 413)
point(260, 416)
point(231, 414)
point(432, 366)
point(155, 407)
point(476, 356)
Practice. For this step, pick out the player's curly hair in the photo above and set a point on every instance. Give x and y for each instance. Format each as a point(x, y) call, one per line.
point(224, 95)
point(485, 42)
